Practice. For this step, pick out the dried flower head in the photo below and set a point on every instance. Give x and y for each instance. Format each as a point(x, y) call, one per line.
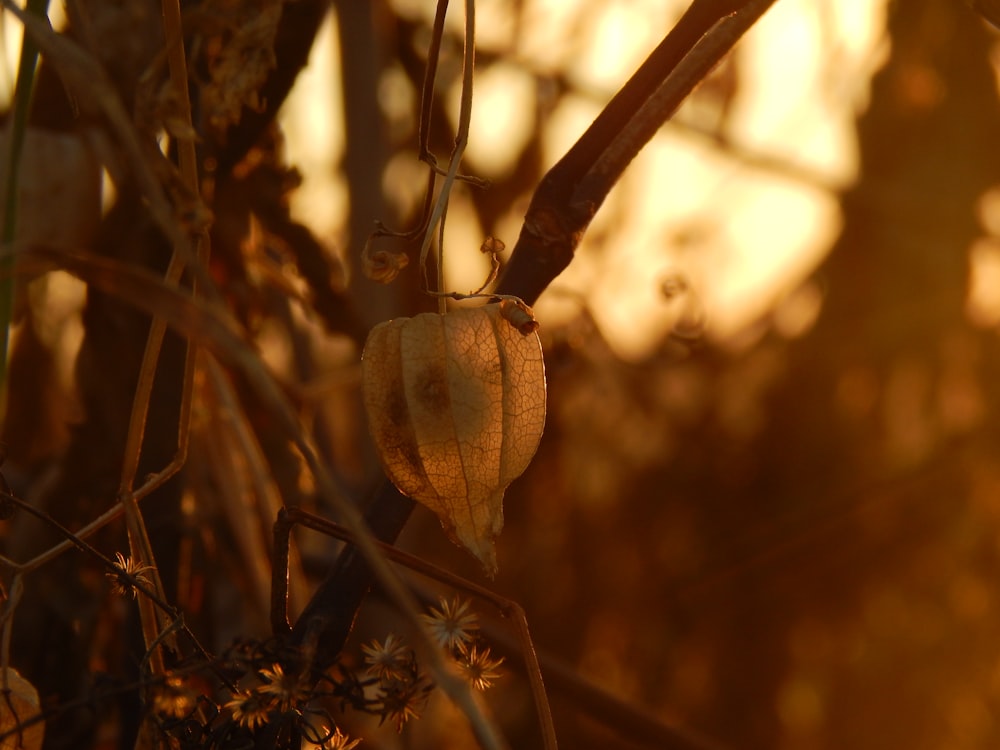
point(241, 65)
point(250, 709)
point(174, 698)
point(334, 740)
point(452, 623)
point(383, 266)
point(402, 699)
point(518, 314)
point(478, 667)
point(390, 660)
point(129, 568)
point(492, 246)
point(286, 691)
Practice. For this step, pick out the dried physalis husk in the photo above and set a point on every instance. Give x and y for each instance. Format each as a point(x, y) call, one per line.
point(492, 246)
point(18, 706)
point(456, 406)
point(518, 314)
point(383, 266)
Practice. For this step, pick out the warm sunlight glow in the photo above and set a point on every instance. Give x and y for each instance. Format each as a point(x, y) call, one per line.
point(503, 118)
point(742, 225)
point(743, 234)
point(11, 33)
point(314, 143)
point(984, 283)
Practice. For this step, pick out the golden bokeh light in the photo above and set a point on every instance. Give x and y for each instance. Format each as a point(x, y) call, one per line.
point(742, 225)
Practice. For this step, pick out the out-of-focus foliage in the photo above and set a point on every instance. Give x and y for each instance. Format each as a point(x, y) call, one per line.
point(783, 534)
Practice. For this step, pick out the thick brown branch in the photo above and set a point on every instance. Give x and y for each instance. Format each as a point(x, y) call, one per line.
point(574, 189)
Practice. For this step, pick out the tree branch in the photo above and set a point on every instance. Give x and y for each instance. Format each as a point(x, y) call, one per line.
point(572, 191)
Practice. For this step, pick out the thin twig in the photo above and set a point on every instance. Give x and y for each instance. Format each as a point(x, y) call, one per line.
point(241, 454)
point(174, 618)
point(461, 139)
point(183, 250)
point(427, 89)
point(152, 484)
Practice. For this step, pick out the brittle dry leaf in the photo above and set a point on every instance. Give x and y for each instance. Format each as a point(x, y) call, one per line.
point(383, 266)
point(241, 66)
point(456, 406)
point(18, 706)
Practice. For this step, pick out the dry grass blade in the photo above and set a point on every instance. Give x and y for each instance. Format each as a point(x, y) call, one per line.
point(139, 542)
point(250, 496)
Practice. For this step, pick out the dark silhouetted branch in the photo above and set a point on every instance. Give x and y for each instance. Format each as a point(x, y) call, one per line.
point(572, 191)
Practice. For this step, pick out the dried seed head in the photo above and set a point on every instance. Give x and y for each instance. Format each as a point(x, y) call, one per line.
point(388, 660)
point(492, 246)
point(383, 266)
point(249, 709)
point(519, 315)
point(128, 567)
point(477, 665)
point(452, 624)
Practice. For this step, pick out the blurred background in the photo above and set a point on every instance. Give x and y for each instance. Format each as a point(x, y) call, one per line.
point(766, 507)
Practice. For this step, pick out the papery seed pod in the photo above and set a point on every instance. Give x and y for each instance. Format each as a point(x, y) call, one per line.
point(19, 705)
point(519, 315)
point(456, 407)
